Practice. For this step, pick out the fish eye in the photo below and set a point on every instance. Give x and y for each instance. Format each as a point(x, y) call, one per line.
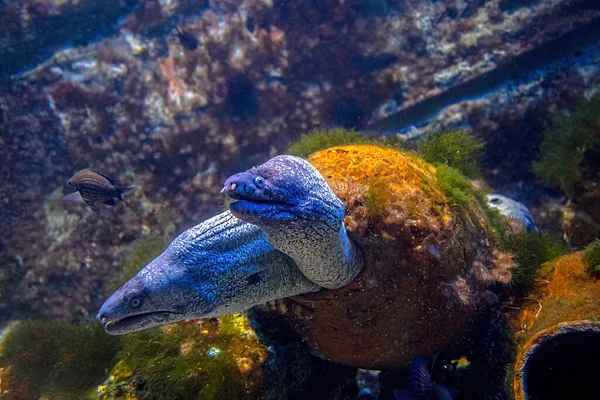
point(259, 182)
point(135, 302)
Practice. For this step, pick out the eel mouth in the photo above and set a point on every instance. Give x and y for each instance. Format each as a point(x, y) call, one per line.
point(233, 194)
point(139, 322)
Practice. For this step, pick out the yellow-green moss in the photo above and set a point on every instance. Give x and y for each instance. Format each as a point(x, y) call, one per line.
point(206, 359)
point(456, 149)
point(321, 139)
point(55, 360)
point(591, 257)
point(531, 250)
point(564, 146)
point(377, 196)
point(455, 186)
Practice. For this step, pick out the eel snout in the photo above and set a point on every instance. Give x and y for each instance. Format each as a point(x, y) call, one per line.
point(249, 187)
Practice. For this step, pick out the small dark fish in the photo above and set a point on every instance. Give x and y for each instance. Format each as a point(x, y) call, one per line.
point(96, 188)
point(421, 386)
point(250, 24)
point(188, 40)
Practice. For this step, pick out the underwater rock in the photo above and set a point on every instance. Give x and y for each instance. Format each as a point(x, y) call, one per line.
point(220, 359)
point(413, 297)
point(558, 332)
point(54, 360)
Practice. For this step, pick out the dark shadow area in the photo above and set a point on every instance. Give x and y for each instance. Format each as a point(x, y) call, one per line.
point(564, 367)
point(242, 98)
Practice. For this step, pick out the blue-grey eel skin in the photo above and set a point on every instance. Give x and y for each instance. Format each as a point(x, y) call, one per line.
point(512, 209)
point(284, 236)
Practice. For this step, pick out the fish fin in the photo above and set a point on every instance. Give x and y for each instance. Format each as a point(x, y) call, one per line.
point(453, 392)
point(419, 377)
point(402, 394)
point(123, 190)
point(110, 202)
point(111, 180)
point(93, 205)
point(74, 197)
point(442, 392)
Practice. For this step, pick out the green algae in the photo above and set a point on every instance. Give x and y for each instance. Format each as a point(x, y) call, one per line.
point(377, 197)
point(455, 149)
point(531, 250)
point(565, 144)
point(321, 139)
point(209, 359)
point(454, 185)
point(591, 257)
point(55, 360)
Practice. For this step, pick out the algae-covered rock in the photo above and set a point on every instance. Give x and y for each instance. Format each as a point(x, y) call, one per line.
point(214, 359)
point(219, 359)
point(557, 328)
point(54, 360)
point(429, 261)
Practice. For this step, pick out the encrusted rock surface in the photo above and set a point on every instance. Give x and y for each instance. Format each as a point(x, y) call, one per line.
point(121, 94)
point(428, 265)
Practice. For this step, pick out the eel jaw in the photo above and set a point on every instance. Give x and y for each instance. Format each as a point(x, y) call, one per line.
point(133, 323)
point(258, 210)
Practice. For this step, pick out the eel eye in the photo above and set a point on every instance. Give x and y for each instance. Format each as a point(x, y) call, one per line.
point(135, 302)
point(495, 201)
point(259, 182)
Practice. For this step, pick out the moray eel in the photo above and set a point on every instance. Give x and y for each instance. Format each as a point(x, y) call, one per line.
point(512, 209)
point(300, 215)
point(294, 233)
point(220, 266)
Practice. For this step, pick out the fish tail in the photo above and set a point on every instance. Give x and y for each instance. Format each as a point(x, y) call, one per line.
point(420, 378)
point(123, 190)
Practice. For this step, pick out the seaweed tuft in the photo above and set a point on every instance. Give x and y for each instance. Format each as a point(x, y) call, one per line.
point(457, 149)
point(455, 186)
point(321, 139)
point(55, 360)
point(564, 146)
point(591, 257)
point(531, 250)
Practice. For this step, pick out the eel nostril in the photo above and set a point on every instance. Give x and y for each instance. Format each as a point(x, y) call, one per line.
point(232, 186)
point(100, 317)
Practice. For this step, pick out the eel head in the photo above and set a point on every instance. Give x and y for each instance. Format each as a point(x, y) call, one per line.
point(285, 189)
point(161, 293)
